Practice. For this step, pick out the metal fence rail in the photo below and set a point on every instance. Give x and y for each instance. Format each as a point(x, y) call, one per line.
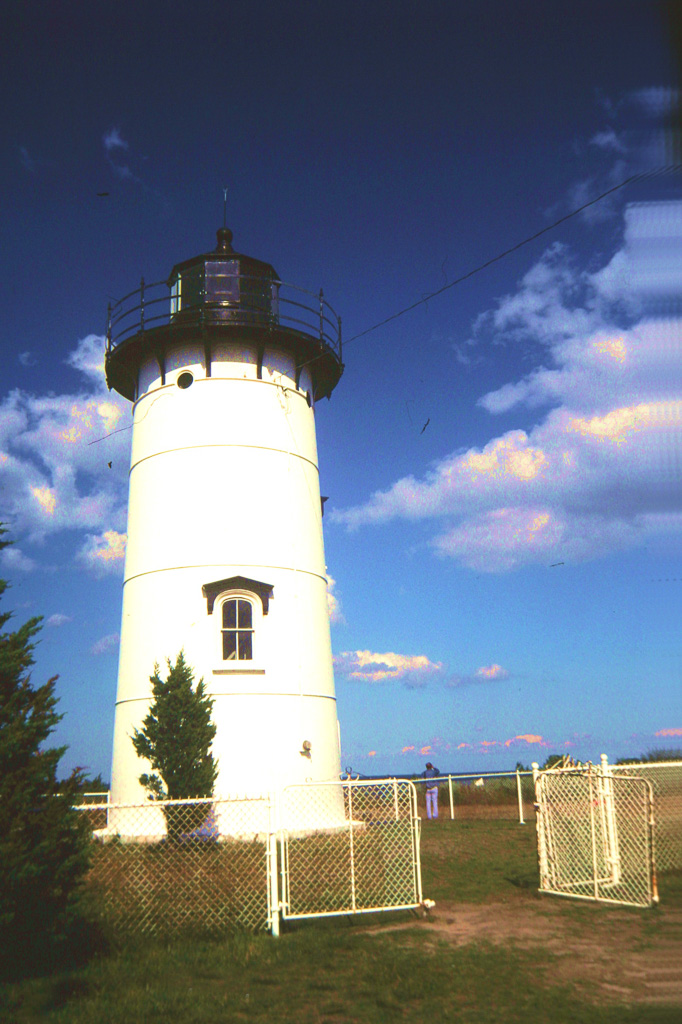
point(508, 791)
point(595, 836)
point(666, 781)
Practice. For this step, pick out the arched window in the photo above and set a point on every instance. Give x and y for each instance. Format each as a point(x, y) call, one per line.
point(241, 605)
point(237, 629)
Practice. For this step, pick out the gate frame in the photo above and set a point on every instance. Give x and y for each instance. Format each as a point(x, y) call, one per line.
point(606, 804)
point(282, 839)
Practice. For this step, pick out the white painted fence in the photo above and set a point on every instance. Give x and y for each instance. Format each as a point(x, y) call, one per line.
point(209, 865)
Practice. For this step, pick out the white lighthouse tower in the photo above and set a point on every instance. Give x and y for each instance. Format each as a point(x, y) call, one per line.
point(224, 365)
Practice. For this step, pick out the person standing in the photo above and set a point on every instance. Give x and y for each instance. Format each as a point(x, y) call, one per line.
point(431, 774)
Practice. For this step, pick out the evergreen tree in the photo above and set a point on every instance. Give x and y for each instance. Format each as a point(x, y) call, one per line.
point(176, 736)
point(44, 843)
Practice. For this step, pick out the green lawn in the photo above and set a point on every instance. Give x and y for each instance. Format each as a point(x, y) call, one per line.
point(342, 970)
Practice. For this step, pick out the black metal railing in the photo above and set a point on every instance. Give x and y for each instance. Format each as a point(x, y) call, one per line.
point(262, 301)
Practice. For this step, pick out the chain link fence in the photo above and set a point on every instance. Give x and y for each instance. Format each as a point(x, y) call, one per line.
point(367, 859)
point(205, 867)
point(181, 866)
point(595, 836)
point(666, 781)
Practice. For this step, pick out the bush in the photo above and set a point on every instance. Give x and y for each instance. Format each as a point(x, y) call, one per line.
point(176, 738)
point(44, 843)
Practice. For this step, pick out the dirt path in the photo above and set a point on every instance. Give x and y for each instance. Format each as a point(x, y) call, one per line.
point(610, 954)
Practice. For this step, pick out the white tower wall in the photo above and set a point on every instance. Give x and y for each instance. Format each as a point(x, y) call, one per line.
point(223, 484)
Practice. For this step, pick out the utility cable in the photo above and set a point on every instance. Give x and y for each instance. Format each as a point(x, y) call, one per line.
point(642, 176)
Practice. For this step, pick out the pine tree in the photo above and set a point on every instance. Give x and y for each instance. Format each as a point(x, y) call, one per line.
point(176, 738)
point(44, 843)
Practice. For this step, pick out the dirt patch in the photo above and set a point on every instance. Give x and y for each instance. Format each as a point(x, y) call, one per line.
point(608, 954)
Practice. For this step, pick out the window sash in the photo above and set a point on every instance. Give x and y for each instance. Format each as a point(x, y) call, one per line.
point(237, 630)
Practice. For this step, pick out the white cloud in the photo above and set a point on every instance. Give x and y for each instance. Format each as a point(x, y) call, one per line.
point(596, 474)
point(12, 559)
point(27, 359)
point(106, 643)
point(413, 670)
point(333, 603)
point(103, 553)
point(52, 477)
point(113, 140)
point(609, 140)
point(485, 674)
point(58, 620)
point(635, 141)
point(655, 101)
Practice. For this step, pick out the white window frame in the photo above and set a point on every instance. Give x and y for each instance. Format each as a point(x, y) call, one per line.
point(228, 666)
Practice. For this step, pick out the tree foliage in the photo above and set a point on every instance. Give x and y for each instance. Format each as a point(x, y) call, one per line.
point(44, 843)
point(654, 756)
point(176, 736)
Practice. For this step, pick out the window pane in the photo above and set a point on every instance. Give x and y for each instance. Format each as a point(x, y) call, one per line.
point(229, 646)
point(230, 615)
point(244, 646)
point(245, 615)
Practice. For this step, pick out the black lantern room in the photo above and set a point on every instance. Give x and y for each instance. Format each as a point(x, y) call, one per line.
point(222, 295)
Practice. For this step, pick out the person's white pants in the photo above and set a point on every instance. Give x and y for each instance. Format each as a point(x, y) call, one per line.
point(432, 803)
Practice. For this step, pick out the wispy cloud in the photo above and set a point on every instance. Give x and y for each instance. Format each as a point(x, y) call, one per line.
point(122, 160)
point(58, 620)
point(412, 670)
point(333, 603)
point(106, 643)
point(485, 674)
point(593, 475)
point(669, 732)
point(27, 359)
point(608, 139)
point(113, 140)
point(27, 161)
point(530, 739)
point(632, 141)
point(12, 559)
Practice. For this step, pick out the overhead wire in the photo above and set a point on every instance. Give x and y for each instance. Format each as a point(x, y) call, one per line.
point(641, 176)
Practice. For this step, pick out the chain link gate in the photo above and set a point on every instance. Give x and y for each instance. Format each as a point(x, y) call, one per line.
point(595, 836)
point(365, 857)
point(666, 780)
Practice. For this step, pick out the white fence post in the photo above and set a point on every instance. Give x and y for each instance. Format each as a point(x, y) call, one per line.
point(610, 821)
point(352, 845)
point(520, 796)
point(540, 829)
point(452, 802)
point(274, 893)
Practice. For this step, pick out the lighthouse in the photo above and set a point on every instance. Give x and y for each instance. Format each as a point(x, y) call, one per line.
point(224, 365)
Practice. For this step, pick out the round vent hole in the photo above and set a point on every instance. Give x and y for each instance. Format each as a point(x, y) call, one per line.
point(185, 380)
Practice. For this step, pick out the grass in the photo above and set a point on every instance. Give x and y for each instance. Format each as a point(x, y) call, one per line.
point(348, 970)
point(478, 861)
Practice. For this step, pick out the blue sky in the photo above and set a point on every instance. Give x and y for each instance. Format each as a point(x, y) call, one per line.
point(502, 463)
